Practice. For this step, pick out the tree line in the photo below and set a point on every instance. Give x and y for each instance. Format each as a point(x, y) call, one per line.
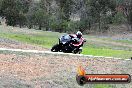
point(67, 15)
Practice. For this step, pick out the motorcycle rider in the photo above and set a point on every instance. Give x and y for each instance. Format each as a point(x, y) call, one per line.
point(79, 35)
point(76, 37)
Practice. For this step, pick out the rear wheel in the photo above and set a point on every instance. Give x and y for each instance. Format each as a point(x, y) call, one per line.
point(77, 51)
point(80, 51)
point(55, 48)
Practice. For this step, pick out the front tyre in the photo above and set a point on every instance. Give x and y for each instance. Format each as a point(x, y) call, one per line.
point(55, 48)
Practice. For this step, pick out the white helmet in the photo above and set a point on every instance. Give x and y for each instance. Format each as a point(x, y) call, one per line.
point(79, 34)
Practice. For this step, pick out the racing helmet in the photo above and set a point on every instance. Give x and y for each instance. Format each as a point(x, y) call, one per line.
point(79, 34)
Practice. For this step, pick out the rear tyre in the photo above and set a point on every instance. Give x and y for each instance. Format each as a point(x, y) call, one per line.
point(55, 48)
point(80, 51)
point(77, 51)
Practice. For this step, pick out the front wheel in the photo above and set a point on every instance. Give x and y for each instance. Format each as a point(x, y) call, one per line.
point(55, 48)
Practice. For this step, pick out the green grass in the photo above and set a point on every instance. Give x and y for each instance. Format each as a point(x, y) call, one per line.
point(107, 52)
point(48, 39)
point(102, 86)
point(125, 41)
point(45, 41)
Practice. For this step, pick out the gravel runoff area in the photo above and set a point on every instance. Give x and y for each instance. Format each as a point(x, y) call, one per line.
point(30, 70)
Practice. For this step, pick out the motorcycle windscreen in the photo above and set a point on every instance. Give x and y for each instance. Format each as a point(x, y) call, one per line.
point(65, 38)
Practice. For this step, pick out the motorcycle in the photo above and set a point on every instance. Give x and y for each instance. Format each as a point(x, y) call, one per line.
point(69, 45)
